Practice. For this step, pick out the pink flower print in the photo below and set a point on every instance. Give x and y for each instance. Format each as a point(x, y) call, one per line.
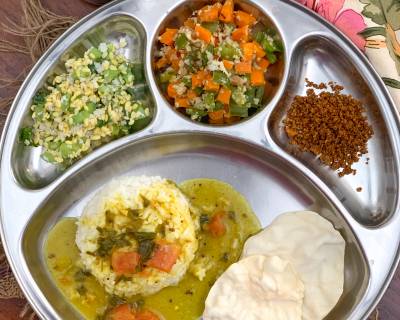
point(348, 21)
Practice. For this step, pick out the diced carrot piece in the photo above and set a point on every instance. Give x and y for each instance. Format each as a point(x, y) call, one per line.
point(226, 14)
point(241, 34)
point(189, 23)
point(164, 256)
point(171, 91)
point(121, 312)
point(216, 226)
point(210, 85)
point(124, 262)
point(257, 77)
point(175, 64)
point(161, 63)
point(191, 94)
point(217, 121)
point(224, 95)
point(216, 115)
point(244, 19)
point(168, 36)
point(231, 119)
point(198, 78)
point(248, 51)
point(170, 54)
point(203, 33)
point(182, 102)
point(228, 64)
point(172, 57)
point(243, 67)
point(263, 63)
point(146, 315)
point(209, 13)
point(258, 50)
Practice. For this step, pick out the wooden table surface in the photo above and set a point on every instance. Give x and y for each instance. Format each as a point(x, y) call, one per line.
point(12, 64)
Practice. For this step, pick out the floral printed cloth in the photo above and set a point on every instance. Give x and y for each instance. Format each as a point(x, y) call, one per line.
point(374, 26)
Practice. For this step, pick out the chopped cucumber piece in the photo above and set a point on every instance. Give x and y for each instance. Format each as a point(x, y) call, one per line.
point(80, 117)
point(65, 101)
point(110, 74)
point(95, 54)
point(67, 149)
point(47, 156)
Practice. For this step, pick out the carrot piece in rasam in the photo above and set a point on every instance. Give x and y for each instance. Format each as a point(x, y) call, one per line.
point(216, 226)
point(146, 315)
point(122, 312)
point(124, 262)
point(164, 257)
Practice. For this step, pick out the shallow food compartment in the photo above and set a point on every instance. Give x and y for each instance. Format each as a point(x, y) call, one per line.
point(30, 169)
point(321, 60)
point(270, 185)
point(176, 18)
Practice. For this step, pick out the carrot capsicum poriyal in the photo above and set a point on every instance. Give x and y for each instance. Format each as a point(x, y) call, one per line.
point(213, 67)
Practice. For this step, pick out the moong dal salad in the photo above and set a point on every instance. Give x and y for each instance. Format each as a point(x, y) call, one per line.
point(100, 97)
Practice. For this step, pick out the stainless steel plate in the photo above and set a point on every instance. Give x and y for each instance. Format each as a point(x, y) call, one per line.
point(271, 186)
point(253, 156)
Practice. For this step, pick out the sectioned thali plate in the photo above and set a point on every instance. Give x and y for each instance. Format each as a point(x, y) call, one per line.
point(253, 156)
